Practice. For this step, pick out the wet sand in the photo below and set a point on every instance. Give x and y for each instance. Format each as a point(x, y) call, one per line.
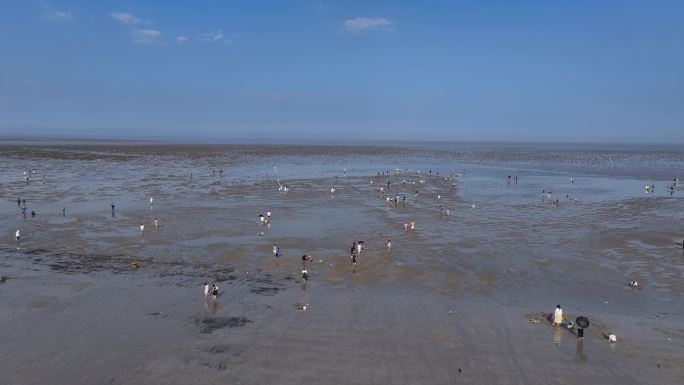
point(451, 303)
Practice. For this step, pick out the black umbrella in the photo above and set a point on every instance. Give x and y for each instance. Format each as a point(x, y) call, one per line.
point(582, 322)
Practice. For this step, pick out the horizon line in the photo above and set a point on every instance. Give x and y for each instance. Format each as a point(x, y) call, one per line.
point(221, 140)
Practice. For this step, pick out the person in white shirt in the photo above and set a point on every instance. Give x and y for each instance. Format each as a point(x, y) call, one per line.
point(142, 228)
point(18, 235)
point(206, 290)
point(276, 253)
point(156, 223)
point(389, 245)
point(558, 315)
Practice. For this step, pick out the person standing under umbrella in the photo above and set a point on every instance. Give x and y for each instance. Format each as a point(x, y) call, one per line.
point(582, 323)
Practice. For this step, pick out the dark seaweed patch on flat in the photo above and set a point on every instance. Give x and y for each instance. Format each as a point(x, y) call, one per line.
point(208, 324)
point(268, 291)
point(264, 286)
point(218, 349)
point(217, 366)
point(72, 263)
point(36, 251)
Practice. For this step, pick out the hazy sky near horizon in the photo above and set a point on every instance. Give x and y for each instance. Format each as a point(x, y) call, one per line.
point(608, 71)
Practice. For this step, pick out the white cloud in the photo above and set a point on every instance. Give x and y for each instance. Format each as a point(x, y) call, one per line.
point(58, 15)
point(215, 37)
point(146, 36)
point(181, 40)
point(55, 14)
point(366, 23)
point(127, 18)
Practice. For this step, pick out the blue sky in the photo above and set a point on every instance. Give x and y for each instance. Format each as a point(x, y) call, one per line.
point(605, 71)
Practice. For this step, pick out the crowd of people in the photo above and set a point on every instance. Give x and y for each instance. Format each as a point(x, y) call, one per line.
point(392, 198)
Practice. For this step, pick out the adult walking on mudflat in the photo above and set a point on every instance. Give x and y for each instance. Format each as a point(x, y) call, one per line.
point(276, 253)
point(558, 315)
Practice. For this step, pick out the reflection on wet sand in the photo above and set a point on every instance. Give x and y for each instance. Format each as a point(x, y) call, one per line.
point(557, 335)
point(579, 351)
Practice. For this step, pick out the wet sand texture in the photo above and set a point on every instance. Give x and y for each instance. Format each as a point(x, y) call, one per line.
point(88, 299)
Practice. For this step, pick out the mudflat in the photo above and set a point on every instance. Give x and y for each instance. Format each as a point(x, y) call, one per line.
point(463, 298)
